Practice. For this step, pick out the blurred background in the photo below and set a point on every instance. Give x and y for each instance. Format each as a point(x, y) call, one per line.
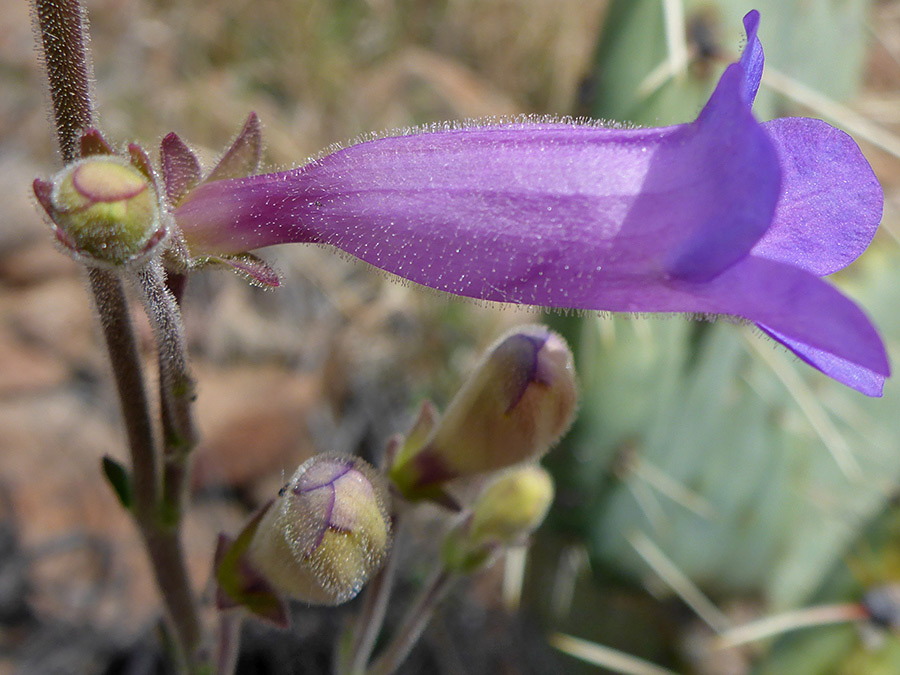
point(711, 479)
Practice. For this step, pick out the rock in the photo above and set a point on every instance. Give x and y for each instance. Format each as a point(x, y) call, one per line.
point(252, 422)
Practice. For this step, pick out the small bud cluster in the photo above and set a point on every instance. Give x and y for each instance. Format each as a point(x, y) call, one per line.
point(329, 530)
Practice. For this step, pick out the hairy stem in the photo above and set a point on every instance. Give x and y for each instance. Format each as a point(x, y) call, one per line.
point(228, 642)
point(61, 27)
point(176, 388)
point(176, 385)
point(167, 556)
point(163, 542)
point(112, 309)
point(414, 623)
point(175, 376)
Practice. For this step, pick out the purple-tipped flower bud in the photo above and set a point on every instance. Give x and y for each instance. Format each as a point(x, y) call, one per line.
point(505, 514)
point(514, 407)
point(103, 209)
point(327, 532)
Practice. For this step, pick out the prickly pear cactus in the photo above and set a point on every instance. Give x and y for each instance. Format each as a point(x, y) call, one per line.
point(631, 81)
point(751, 473)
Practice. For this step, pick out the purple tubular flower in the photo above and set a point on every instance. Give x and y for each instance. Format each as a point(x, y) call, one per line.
point(721, 216)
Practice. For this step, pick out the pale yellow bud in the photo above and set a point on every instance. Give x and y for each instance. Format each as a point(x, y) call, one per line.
point(327, 532)
point(506, 512)
point(514, 407)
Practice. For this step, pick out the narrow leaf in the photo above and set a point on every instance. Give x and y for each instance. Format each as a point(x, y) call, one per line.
point(119, 480)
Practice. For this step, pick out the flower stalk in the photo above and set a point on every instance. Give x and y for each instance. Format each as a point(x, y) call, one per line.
point(61, 29)
point(506, 512)
point(112, 309)
point(176, 386)
point(414, 623)
point(61, 24)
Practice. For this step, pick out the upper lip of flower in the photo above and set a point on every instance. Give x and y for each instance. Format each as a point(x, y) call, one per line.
point(721, 216)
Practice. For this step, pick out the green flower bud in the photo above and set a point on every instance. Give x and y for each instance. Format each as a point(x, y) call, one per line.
point(103, 209)
point(505, 514)
point(325, 535)
point(514, 407)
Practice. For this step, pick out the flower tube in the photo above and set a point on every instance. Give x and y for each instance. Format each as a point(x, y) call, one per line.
point(722, 216)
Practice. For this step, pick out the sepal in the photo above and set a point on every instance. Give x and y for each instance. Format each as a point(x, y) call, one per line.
point(253, 268)
point(92, 143)
point(239, 584)
point(242, 158)
point(141, 161)
point(180, 168)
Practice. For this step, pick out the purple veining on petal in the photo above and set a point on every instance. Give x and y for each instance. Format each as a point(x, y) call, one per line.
point(300, 490)
point(529, 374)
point(326, 520)
point(345, 468)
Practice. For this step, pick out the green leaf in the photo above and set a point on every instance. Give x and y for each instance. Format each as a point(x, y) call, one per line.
point(119, 480)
